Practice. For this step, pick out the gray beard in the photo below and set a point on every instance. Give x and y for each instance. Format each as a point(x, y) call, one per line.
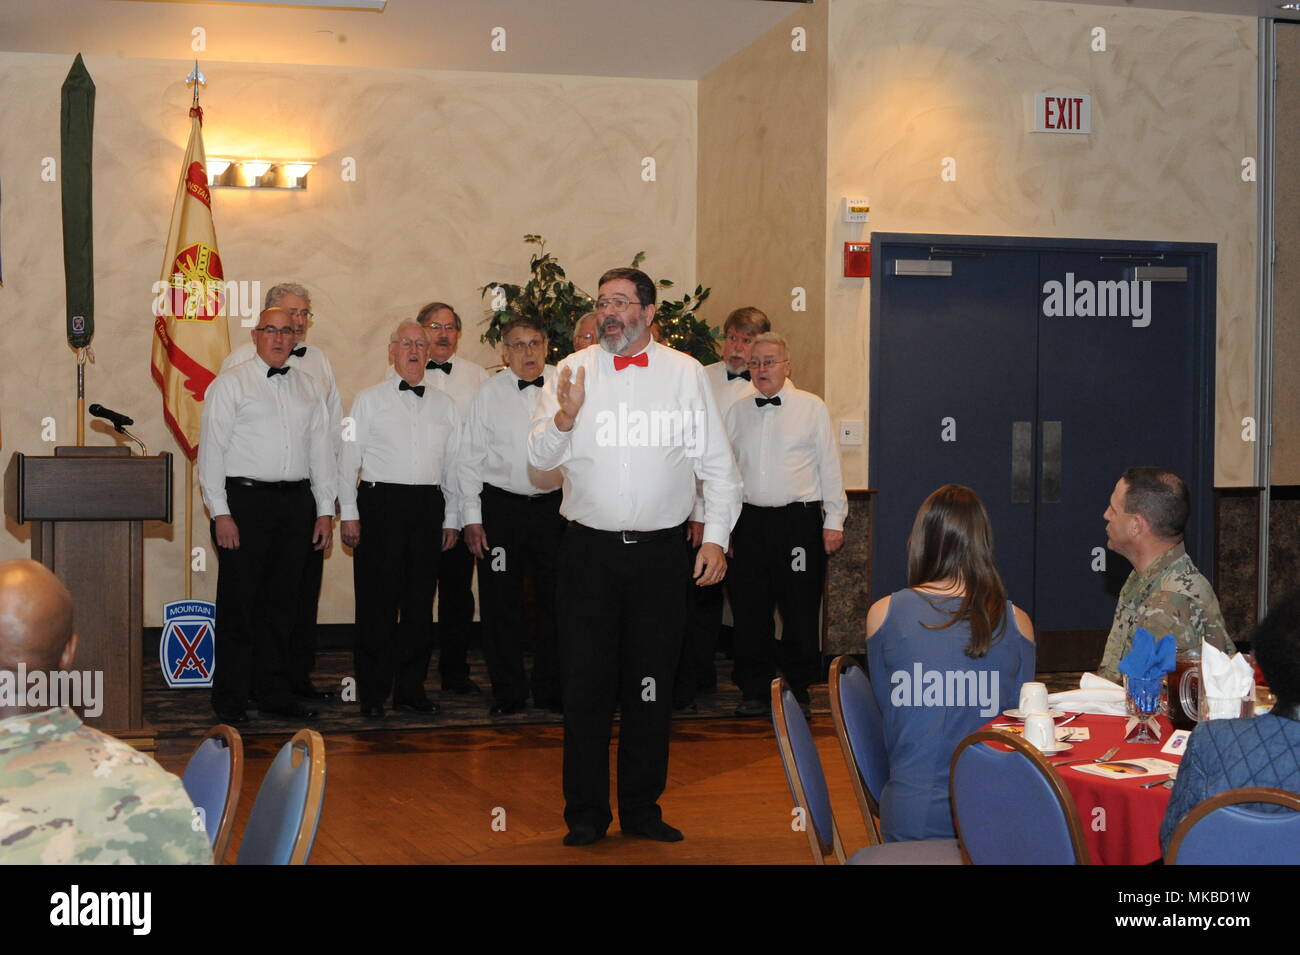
point(619, 344)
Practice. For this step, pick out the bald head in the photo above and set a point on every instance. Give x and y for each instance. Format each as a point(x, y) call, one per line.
point(35, 617)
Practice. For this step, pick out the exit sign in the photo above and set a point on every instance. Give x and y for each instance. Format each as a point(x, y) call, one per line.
point(1061, 113)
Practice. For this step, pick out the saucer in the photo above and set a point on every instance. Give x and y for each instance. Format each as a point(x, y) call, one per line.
point(1018, 714)
point(1056, 747)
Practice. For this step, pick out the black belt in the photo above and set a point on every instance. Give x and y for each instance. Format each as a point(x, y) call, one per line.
point(633, 537)
point(400, 487)
point(782, 507)
point(491, 490)
point(267, 485)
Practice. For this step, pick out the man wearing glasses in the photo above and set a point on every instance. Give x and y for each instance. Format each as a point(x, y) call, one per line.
point(512, 520)
point(633, 424)
point(296, 302)
point(267, 472)
point(584, 332)
point(404, 440)
point(459, 379)
point(793, 519)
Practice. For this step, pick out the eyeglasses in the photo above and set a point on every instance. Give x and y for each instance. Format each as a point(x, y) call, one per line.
point(765, 363)
point(518, 347)
point(436, 327)
point(298, 313)
point(735, 339)
point(272, 330)
point(419, 344)
point(618, 304)
point(588, 337)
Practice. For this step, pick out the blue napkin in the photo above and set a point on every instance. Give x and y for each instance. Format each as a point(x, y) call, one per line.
point(1149, 658)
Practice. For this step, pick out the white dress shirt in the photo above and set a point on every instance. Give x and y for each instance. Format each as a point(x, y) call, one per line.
point(317, 366)
point(725, 393)
point(787, 453)
point(641, 438)
point(399, 437)
point(496, 442)
point(267, 429)
point(461, 385)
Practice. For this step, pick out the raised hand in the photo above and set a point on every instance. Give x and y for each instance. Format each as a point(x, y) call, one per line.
point(571, 393)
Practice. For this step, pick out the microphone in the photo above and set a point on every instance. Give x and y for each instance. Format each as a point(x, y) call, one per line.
point(120, 421)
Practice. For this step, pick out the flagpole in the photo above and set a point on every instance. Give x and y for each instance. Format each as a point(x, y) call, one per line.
point(81, 397)
point(189, 528)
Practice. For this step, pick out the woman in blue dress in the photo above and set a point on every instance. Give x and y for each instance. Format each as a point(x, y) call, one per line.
point(945, 656)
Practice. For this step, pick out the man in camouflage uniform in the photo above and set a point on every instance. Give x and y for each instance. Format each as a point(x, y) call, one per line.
point(1165, 593)
point(69, 793)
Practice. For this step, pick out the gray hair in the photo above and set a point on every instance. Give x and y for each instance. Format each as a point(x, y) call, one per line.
point(772, 338)
point(277, 292)
point(396, 336)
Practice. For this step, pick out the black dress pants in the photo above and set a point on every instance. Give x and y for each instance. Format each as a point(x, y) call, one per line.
point(455, 613)
point(257, 593)
point(622, 609)
point(696, 668)
point(779, 563)
point(303, 644)
point(394, 570)
point(523, 536)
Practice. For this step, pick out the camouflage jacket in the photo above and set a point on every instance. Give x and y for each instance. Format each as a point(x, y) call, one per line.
point(1171, 596)
point(71, 794)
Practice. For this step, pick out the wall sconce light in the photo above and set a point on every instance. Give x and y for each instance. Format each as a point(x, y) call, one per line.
point(258, 173)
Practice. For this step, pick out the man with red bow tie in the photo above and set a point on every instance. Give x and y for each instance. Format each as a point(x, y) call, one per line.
point(633, 424)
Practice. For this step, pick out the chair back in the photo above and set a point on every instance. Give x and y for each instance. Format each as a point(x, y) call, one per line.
point(860, 729)
point(803, 771)
point(1223, 830)
point(282, 826)
point(212, 779)
point(1011, 807)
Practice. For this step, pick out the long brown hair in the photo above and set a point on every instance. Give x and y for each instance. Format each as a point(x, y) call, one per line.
point(951, 539)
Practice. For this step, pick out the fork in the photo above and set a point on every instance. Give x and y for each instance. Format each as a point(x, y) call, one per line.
point(1109, 754)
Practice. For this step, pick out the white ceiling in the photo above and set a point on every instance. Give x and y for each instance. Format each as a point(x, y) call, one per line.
point(669, 39)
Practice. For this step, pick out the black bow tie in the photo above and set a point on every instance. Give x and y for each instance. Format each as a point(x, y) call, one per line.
point(732, 376)
point(299, 351)
point(405, 386)
point(282, 370)
point(444, 367)
point(774, 400)
point(536, 381)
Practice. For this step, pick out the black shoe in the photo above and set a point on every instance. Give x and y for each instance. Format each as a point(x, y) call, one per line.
point(306, 691)
point(232, 717)
point(423, 705)
point(658, 830)
point(462, 688)
point(372, 712)
point(507, 709)
point(754, 708)
point(289, 711)
point(581, 835)
point(690, 707)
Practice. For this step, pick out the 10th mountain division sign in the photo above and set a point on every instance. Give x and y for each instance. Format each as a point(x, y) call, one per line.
point(188, 649)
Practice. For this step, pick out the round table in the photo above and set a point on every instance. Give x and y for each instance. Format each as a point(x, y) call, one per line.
point(1121, 820)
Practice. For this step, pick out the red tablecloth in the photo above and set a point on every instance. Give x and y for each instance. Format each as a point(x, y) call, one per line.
point(1121, 820)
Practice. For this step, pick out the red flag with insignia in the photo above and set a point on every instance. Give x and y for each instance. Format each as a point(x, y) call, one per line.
point(190, 334)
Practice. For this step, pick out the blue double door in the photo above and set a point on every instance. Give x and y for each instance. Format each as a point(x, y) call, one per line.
point(1035, 371)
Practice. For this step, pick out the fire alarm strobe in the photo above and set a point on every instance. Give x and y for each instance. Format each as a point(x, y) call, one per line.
point(857, 260)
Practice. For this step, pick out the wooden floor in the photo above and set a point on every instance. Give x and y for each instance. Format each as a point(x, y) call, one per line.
point(429, 797)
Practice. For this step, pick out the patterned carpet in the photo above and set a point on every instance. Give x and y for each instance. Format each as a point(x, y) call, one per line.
point(188, 712)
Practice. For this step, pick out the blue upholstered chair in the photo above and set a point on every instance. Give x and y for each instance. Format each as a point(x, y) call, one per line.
point(1222, 830)
point(212, 779)
point(282, 826)
point(1010, 806)
point(860, 729)
point(803, 771)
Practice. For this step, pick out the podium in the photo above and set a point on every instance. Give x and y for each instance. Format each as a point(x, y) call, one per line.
point(88, 505)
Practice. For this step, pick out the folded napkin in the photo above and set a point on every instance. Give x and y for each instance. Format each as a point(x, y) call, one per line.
point(1149, 658)
point(1094, 695)
point(1227, 679)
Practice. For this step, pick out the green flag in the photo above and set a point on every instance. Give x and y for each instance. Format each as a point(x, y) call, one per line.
point(76, 133)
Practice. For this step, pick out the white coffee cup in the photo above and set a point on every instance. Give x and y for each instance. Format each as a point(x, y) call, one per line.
point(1040, 730)
point(1033, 698)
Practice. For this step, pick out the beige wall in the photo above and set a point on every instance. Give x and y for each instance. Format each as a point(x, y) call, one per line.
point(1174, 114)
point(762, 173)
point(1286, 226)
point(452, 170)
